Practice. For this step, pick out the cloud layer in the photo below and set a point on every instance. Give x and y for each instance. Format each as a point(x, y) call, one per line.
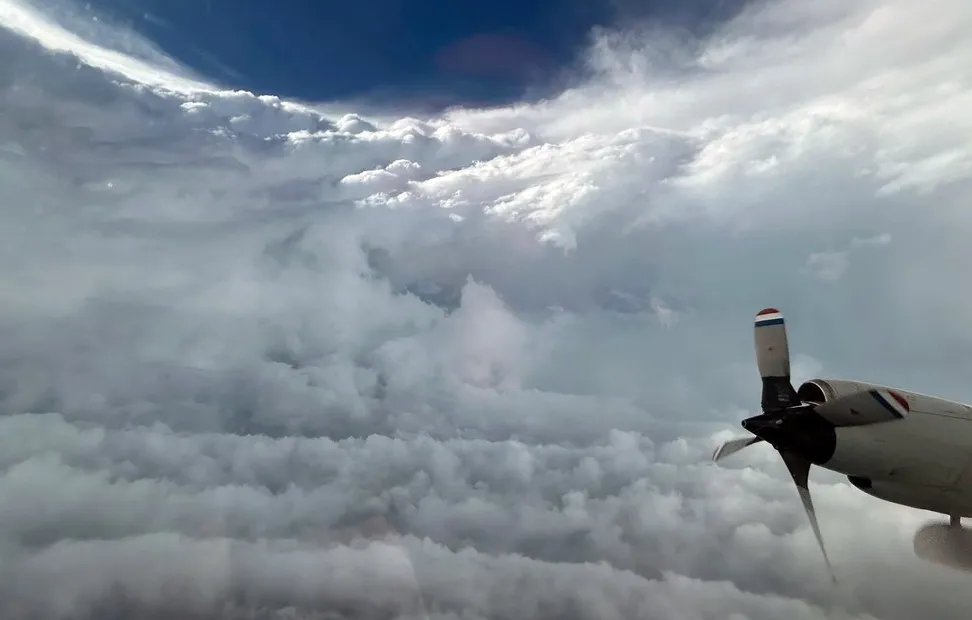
point(261, 360)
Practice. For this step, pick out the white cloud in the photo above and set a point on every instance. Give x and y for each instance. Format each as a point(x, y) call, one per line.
point(125, 55)
point(828, 265)
point(877, 240)
point(236, 329)
point(833, 265)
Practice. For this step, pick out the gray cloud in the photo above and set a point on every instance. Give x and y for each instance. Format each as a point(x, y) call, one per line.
point(265, 360)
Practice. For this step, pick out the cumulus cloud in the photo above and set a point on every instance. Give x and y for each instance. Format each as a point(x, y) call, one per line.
point(261, 360)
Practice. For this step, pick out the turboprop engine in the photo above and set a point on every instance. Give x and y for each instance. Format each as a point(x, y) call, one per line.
point(801, 424)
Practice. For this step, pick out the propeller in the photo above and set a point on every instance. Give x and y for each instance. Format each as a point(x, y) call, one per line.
point(732, 446)
point(800, 434)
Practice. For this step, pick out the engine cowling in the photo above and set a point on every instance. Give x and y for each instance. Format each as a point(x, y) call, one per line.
point(821, 391)
point(854, 403)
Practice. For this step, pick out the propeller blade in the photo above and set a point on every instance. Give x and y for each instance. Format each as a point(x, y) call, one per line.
point(773, 361)
point(799, 469)
point(732, 446)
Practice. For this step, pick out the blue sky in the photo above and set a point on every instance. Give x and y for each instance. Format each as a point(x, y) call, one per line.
point(427, 52)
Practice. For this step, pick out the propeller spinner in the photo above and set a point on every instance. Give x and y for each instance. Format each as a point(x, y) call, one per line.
point(798, 432)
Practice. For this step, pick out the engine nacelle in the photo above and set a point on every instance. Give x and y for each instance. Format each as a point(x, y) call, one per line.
point(825, 390)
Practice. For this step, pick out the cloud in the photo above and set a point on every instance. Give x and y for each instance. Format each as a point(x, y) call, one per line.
point(828, 265)
point(64, 27)
point(263, 360)
point(833, 265)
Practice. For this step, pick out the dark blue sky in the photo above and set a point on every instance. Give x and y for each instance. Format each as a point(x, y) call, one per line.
point(426, 52)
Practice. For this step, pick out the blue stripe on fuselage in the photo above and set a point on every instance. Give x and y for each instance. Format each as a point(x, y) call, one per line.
point(884, 403)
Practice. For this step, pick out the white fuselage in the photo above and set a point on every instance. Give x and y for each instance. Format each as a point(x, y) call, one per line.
point(923, 460)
